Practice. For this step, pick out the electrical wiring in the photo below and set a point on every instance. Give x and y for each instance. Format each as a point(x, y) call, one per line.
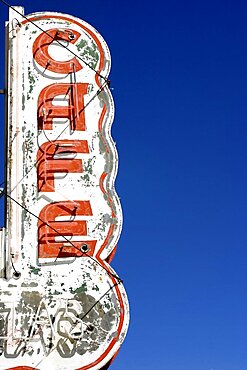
point(89, 327)
point(64, 46)
point(101, 88)
point(67, 240)
point(51, 141)
point(91, 313)
point(89, 102)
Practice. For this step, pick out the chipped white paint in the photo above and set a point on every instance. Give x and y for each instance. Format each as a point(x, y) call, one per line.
point(68, 309)
point(2, 252)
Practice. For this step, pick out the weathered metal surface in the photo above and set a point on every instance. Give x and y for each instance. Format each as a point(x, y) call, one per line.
point(61, 304)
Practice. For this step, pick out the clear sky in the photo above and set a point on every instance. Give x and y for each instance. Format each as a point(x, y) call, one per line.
point(179, 74)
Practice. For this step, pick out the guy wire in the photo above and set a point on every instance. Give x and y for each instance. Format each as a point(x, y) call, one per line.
point(56, 231)
point(64, 46)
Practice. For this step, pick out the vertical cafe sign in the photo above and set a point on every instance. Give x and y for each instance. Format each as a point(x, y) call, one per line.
point(62, 306)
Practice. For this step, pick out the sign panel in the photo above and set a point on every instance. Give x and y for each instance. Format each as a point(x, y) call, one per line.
point(62, 305)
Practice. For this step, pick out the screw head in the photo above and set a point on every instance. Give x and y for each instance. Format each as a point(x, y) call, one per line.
point(84, 248)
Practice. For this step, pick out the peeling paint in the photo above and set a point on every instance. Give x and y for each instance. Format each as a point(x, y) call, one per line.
point(60, 300)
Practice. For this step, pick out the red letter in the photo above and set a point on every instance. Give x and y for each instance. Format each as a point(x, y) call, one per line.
point(48, 165)
point(49, 247)
point(74, 111)
point(41, 54)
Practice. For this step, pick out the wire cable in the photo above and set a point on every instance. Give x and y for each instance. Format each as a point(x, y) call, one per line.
point(53, 38)
point(81, 318)
point(97, 93)
point(101, 88)
point(56, 231)
point(90, 309)
point(17, 274)
point(106, 83)
point(51, 141)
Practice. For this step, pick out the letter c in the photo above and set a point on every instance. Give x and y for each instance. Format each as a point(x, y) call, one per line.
point(42, 56)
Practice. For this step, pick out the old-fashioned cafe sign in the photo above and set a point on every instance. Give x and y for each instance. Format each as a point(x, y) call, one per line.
point(62, 306)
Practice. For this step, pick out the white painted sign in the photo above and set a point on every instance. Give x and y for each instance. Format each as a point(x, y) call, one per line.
point(62, 305)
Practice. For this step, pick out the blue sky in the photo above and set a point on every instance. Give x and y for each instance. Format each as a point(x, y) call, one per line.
point(179, 74)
